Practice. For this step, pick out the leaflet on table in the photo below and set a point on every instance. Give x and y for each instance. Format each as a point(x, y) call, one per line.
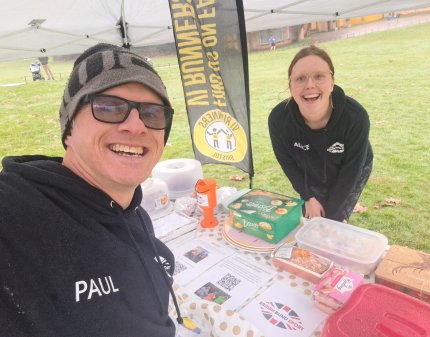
point(231, 282)
point(283, 311)
point(180, 240)
point(173, 225)
point(193, 257)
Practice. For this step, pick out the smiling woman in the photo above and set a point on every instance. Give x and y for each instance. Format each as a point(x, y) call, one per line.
point(320, 138)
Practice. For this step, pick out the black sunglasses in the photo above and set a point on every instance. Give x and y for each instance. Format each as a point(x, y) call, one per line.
point(115, 110)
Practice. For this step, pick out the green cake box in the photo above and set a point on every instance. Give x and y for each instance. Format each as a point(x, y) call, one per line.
point(267, 215)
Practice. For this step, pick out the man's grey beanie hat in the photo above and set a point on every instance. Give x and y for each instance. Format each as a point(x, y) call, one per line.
point(101, 67)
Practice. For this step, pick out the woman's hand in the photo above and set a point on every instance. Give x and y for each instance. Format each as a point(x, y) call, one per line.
point(313, 208)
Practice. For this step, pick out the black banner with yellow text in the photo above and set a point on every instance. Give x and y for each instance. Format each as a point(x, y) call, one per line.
point(211, 46)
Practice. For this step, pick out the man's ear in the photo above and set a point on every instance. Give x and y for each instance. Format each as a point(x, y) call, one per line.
point(70, 131)
point(67, 141)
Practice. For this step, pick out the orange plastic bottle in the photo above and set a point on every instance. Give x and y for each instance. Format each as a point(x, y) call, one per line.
point(206, 199)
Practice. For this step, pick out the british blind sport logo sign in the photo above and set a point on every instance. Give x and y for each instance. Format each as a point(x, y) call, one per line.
point(281, 316)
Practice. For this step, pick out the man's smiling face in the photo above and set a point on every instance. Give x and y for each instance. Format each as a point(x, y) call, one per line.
point(115, 158)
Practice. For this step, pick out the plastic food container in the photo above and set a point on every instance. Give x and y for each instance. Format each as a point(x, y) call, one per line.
point(377, 311)
point(155, 198)
point(355, 248)
point(300, 262)
point(267, 215)
point(181, 175)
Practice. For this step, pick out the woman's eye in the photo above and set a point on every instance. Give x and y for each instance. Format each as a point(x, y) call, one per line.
point(319, 77)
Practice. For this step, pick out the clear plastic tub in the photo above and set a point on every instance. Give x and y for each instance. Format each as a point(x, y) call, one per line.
point(356, 248)
point(155, 198)
point(301, 262)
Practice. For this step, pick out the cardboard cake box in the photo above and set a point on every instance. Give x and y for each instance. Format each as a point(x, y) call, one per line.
point(267, 215)
point(406, 270)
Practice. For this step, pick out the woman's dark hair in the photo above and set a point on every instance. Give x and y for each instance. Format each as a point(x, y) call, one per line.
point(308, 51)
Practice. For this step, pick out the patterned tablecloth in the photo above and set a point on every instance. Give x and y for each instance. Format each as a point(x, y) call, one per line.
point(221, 322)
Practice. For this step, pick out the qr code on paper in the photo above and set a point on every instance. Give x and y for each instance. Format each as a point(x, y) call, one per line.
point(179, 267)
point(228, 282)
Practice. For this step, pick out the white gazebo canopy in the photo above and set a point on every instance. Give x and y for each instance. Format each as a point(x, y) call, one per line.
point(61, 27)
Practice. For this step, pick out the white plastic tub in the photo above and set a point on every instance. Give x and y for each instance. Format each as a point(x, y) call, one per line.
point(181, 176)
point(356, 248)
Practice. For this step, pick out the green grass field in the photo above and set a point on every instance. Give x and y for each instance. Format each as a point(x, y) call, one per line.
point(387, 72)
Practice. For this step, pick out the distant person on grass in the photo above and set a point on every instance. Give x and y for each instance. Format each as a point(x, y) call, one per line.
point(78, 255)
point(45, 64)
point(320, 138)
point(272, 41)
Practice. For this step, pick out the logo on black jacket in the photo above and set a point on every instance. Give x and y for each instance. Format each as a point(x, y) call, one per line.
point(166, 264)
point(97, 286)
point(301, 146)
point(336, 148)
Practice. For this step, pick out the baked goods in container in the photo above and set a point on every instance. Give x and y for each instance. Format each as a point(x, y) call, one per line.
point(301, 262)
point(352, 247)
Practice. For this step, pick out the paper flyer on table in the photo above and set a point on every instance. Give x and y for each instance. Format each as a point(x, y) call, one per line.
point(231, 282)
point(193, 257)
point(173, 225)
point(283, 311)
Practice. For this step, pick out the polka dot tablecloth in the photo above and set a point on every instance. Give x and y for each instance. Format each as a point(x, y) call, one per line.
point(219, 322)
point(215, 321)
